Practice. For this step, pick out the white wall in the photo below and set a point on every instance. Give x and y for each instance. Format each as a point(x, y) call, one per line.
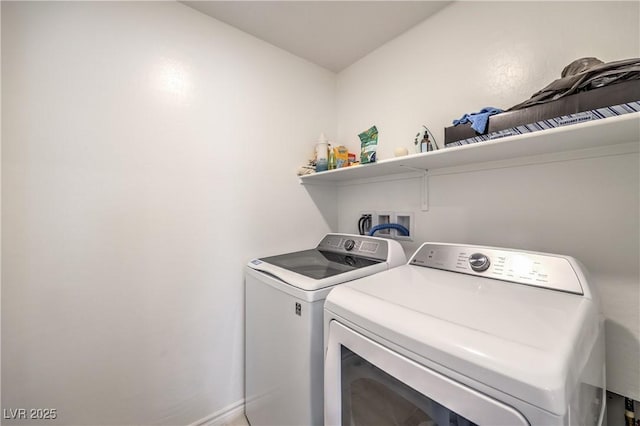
point(476, 54)
point(471, 55)
point(148, 152)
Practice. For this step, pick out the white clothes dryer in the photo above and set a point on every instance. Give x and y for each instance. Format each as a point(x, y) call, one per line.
point(466, 335)
point(284, 301)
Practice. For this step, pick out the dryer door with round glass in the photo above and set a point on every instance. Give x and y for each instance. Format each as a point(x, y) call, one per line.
point(367, 383)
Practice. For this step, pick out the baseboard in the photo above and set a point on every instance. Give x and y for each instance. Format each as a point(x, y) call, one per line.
point(222, 417)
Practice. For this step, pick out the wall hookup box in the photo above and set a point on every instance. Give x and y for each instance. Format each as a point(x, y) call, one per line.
point(595, 104)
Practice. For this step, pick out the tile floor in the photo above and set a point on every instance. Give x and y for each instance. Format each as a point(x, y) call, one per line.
point(241, 420)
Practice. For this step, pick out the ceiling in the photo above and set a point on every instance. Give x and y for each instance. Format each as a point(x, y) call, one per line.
point(332, 34)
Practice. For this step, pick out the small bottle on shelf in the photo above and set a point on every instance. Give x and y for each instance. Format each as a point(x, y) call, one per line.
point(629, 412)
point(321, 154)
point(332, 158)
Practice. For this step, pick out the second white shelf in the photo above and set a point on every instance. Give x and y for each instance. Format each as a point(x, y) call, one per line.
point(609, 131)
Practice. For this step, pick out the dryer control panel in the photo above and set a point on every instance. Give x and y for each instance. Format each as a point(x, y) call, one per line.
point(545, 270)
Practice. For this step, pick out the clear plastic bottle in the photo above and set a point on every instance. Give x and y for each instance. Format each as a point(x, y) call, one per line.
point(322, 162)
point(629, 412)
point(332, 158)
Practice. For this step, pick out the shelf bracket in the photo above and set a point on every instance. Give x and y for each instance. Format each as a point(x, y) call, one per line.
point(424, 188)
point(424, 191)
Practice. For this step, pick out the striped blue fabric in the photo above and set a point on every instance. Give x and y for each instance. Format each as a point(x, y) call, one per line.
point(565, 120)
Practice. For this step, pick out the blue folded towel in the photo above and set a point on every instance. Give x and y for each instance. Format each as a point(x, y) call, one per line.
point(478, 119)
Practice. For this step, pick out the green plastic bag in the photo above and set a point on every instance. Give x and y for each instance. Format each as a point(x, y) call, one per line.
point(368, 144)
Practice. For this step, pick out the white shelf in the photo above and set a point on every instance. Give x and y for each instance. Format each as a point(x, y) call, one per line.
point(591, 134)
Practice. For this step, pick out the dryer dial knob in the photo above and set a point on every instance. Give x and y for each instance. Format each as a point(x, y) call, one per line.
point(479, 262)
point(349, 245)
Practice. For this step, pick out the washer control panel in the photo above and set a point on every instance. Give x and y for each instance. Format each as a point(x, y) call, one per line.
point(355, 245)
point(550, 271)
point(349, 244)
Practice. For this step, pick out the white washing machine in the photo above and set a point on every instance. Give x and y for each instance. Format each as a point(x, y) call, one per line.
point(283, 330)
point(466, 335)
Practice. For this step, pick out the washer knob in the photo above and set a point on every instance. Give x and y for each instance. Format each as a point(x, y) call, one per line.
point(479, 262)
point(349, 245)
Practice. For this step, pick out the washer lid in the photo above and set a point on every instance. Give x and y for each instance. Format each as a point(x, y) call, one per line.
point(319, 264)
point(526, 341)
point(338, 258)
